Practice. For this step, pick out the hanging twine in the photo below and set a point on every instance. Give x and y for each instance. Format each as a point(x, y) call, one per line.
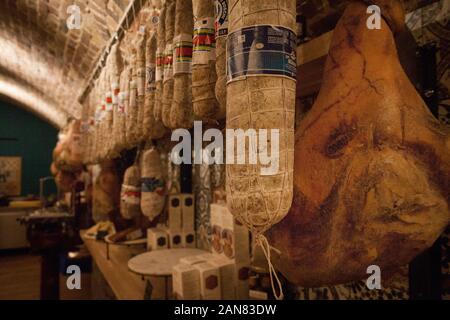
point(258, 224)
point(262, 241)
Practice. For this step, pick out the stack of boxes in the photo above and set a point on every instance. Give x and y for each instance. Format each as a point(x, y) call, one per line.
point(157, 238)
point(180, 232)
point(233, 244)
point(223, 273)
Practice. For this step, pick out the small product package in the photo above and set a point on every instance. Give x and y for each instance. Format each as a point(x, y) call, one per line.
point(185, 282)
point(242, 281)
point(235, 238)
point(227, 272)
point(175, 239)
point(209, 281)
point(189, 240)
point(216, 227)
point(175, 213)
point(157, 239)
point(188, 212)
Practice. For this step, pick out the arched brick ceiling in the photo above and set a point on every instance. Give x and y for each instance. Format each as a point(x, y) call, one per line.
point(43, 65)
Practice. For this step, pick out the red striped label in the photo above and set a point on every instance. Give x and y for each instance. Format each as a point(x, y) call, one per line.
point(159, 60)
point(168, 60)
point(129, 193)
point(183, 50)
point(204, 40)
point(183, 53)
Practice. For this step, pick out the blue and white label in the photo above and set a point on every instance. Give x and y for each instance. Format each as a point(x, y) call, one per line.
point(221, 23)
point(261, 50)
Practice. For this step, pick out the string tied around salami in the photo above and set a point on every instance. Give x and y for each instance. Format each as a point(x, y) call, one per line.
point(262, 241)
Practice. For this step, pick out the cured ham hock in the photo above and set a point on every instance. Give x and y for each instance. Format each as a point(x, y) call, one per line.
point(372, 165)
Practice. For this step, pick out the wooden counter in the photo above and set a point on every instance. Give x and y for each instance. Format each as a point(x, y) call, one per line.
point(16, 209)
point(125, 284)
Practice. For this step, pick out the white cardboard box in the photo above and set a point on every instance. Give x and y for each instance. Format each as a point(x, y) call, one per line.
point(209, 281)
point(175, 212)
point(175, 239)
point(188, 212)
point(235, 238)
point(189, 239)
point(242, 283)
point(227, 273)
point(185, 282)
point(216, 227)
point(157, 239)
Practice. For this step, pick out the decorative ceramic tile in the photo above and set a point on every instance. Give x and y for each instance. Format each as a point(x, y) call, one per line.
point(397, 290)
point(202, 191)
point(217, 176)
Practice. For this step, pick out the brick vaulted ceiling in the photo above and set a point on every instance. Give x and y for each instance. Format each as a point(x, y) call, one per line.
point(43, 64)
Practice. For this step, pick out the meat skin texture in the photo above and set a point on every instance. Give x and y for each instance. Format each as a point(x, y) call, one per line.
point(371, 170)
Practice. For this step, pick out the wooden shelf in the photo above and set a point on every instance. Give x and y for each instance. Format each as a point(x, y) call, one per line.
point(125, 284)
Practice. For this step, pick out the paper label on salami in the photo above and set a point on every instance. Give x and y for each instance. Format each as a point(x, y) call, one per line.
point(168, 62)
point(152, 184)
point(102, 110)
point(140, 81)
point(115, 93)
point(97, 117)
point(261, 51)
point(154, 18)
point(159, 72)
point(98, 114)
point(221, 23)
point(204, 41)
point(108, 102)
point(123, 96)
point(182, 54)
point(150, 77)
point(131, 194)
point(91, 123)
